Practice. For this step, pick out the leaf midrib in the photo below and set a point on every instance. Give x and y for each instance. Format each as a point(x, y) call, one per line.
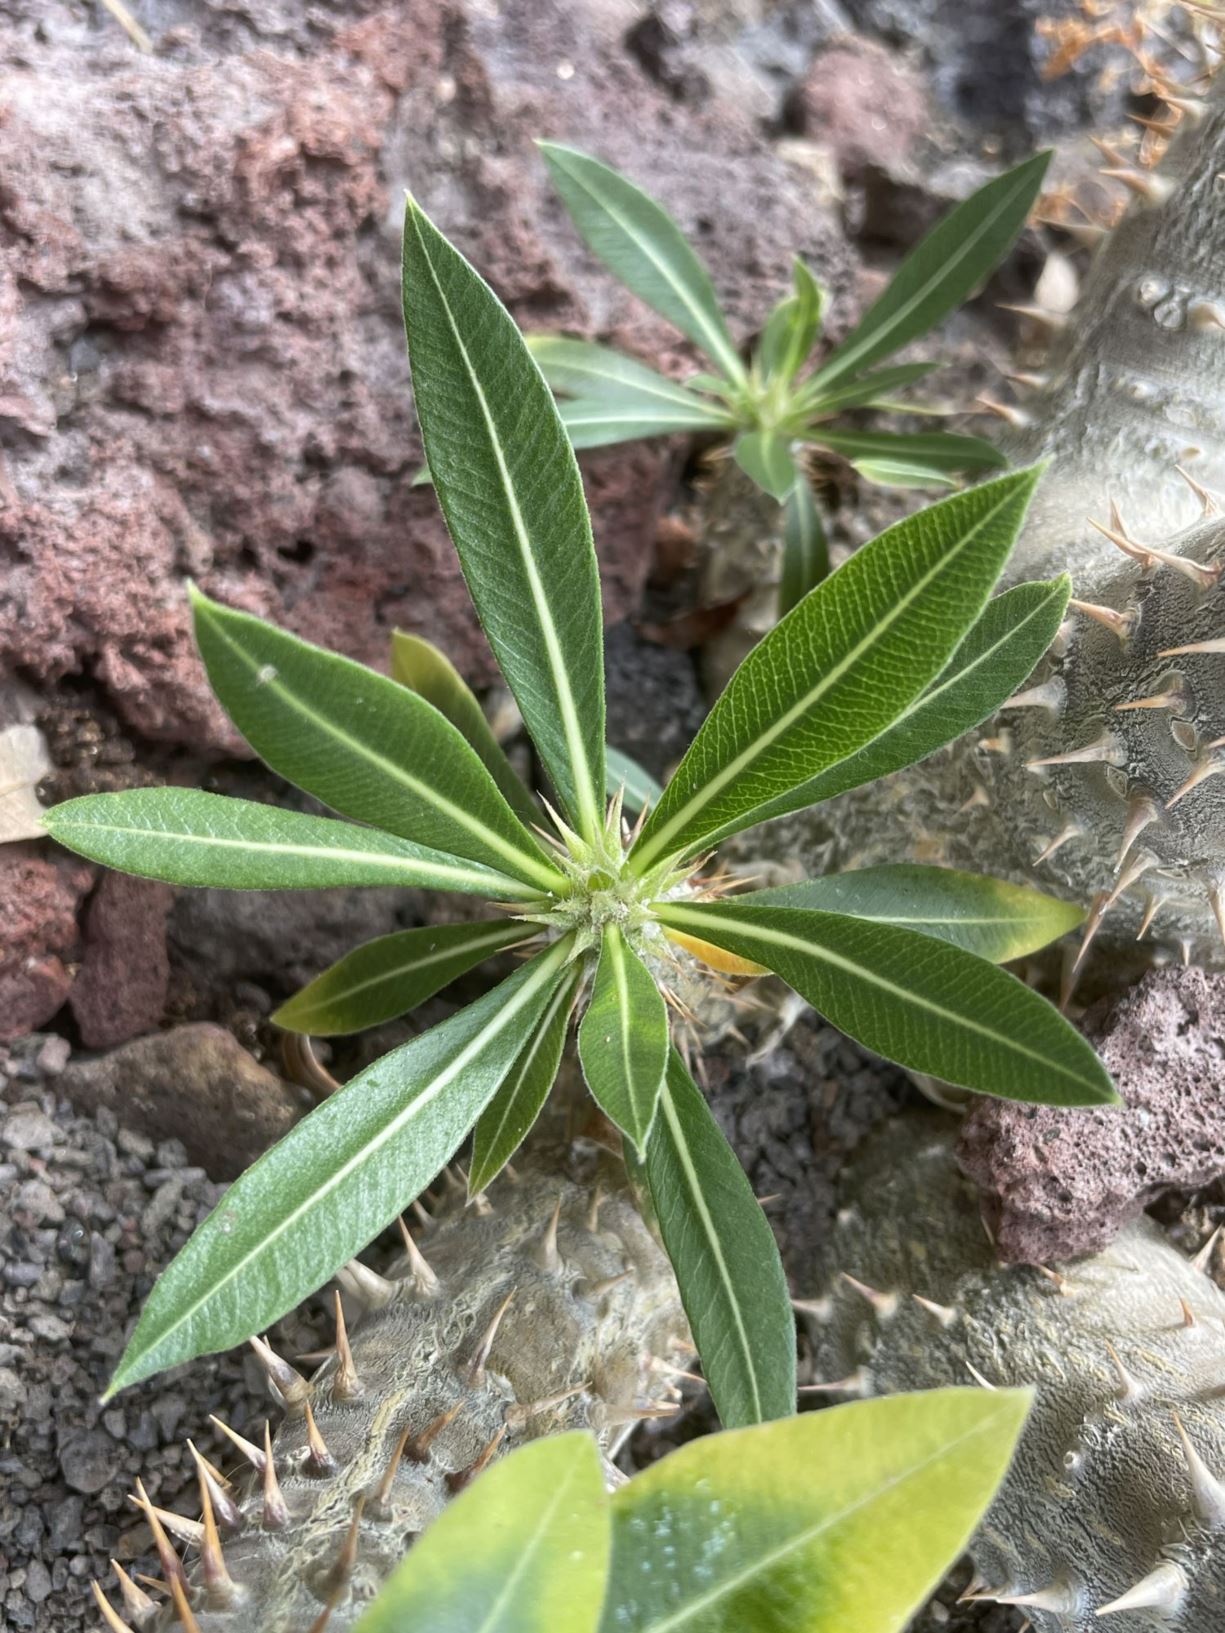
point(528, 1060)
point(492, 934)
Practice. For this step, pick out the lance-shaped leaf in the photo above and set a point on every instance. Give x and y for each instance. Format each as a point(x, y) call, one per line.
point(578, 368)
point(992, 663)
point(393, 974)
point(506, 1120)
point(840, 667)
point(186, 837)
point(812, 401)
point(805, 547)
point(766, 459)
point(990, 917)
point(542, 1520)
point(791, 329)
point(623, 1039)
point(941, 271)
point(640, 242)
point(831, 1522)
point(337, 1179)
point(725, 1257)
point(510, 490)
point(424, 669)
point(926, 1004)
point(598, 422)
point(363, 745)
point(627, 777)
point(930, 455)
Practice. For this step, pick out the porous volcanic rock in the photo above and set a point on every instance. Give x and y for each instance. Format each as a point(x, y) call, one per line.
point(120, 990)
point(38, 934)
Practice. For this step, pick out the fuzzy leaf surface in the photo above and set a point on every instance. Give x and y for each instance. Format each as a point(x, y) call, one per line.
point(598, 422)
point(392, 974)
point(941, 271)
point(840, 667)
point(542, 1519)
point(510, 490)
point(805, 546)
point(766, 460)
point(997, 920)
point(623, 1039)
point(426, 670)
point(337, 1179)
point(367, 747)
point(916, 1000)
point(186, 837)
point(836, 1520)
point(725, 1257)
point(639, 241)
point(638, 785)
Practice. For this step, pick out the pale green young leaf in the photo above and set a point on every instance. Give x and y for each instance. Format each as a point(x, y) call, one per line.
point(765, 459)
point(424, 669)
point(840, 667)
point(805, 547)
point(792, 328)
point(510, 490)
point(367, 747)
point(524, 1550)
point(725, 1257)
point(393, 974)
point(904, 473)
point(186, 837)
point(337, 1179)
point(938, 454)
point(992, 663)
point(997, 920)
point(507, 1119)
point(598, 422)
point(813, 402)
point(579, 368)
point(941, 271)
point(623, 1039)
point(628, 778)
point(640, 242)
point(921, 1002)
point(840, 1521)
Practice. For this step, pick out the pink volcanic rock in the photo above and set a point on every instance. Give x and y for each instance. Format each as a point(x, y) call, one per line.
point(862, 102)
point(120, 991)
point(38, 934)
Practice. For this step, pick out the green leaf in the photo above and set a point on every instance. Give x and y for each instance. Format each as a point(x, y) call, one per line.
point(725, 1257)
point(426, 670)
point(506, 1120)
point(766, 459)
point(599, 422)
point(337, 1179)
point(623, 1039)
point(393, 974)
point(864, 392)
point(524, 1550)
point(510, 490)
point(992, 662)
point(932, 456)
point(840, 667)
point(186, 837)
point(805, 547)
point(626, 776)
point(363, 745)
point(903, 473)
point(834, 1521)
point(792, 328)
point(640, 242)
point(578, 368)
point(927, 1005)
point(996, 920)
point(941, 270)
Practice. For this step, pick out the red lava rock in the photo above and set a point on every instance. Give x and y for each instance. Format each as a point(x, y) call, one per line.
point(120, 991)
point(1058, 1183)
point(861, 102)
point(38, 934)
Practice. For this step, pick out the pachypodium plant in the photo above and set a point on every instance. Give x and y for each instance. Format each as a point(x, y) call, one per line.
point(886, 659)
point(776, 406)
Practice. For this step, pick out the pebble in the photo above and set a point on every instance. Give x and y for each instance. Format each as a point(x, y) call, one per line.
point(28, 1129)
point(87, 1460)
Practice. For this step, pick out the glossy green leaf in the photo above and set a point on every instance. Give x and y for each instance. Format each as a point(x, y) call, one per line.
point(904, 473)
point(337, 1179)
point(600, 422)
point(393, 974)
point(190, 838)
point(523, 1550)
point(725, 1257)
point(805, 547)
point(424, 669)
point(865, 392)
point(941, 271)
point(579, 368)
point(921, 1002)
point(792, 328)
point(623, 1039)
point(766, 460)
point(510, 490)
point(840, 1521)
point(640, 242)
point(840, 667)
point(933, 455)
point(993, 662)
point(507, 1119)
point(990, 917)
point(627, 777)
point(363, 745)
